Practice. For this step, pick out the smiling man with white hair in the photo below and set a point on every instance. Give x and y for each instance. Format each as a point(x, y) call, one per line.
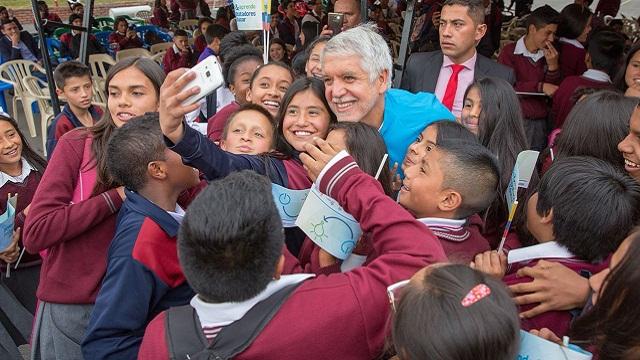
point(357, 66)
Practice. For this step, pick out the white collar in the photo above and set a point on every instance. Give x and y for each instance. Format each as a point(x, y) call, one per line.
point(175, 49)
point(178, 215)
point(521, 49)
point(441, 222)
point(26, 170)
point(597, 75)
point(549, 249)
point(573, 42)
point(223, 314)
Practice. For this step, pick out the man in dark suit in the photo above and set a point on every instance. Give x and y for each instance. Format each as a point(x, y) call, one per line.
point(17, 45)
point(448, 72)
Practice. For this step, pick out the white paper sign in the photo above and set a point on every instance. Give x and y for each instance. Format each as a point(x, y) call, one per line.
point(536, 348)
point(248, 14)
point(521, 175)
point(328, 225)
point(6, 223)
point(289, 202)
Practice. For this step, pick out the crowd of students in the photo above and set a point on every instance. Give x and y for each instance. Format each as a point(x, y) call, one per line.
point(153, 238)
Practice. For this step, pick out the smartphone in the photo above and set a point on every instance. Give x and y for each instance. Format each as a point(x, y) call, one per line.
point(208, 79)
point(335, 22)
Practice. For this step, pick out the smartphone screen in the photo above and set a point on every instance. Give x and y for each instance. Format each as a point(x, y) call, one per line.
point(335, 22)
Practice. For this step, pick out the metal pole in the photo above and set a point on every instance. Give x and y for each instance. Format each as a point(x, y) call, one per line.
point(364, 11)
point(404, 44)
point(46, 62)
point(84, 36)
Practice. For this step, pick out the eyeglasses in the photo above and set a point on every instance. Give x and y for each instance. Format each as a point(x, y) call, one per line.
point(394, 291)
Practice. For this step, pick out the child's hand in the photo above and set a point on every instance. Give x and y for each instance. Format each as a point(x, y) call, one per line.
point(170, 109)
point(325, 259)
point(318, 154)
point(554, 287)
point(547, 335)
point(11, 253)
point(396, 181)
point(491, 262)
point(121, 192)
point(549, 89)
point(551, 55)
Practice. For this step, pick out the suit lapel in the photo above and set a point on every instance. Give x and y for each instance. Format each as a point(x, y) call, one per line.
point(432, 71)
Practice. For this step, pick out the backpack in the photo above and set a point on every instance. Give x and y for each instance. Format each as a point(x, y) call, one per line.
point(186, 340)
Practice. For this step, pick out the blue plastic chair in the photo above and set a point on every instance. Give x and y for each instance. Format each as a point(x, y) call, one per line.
point(4, 86)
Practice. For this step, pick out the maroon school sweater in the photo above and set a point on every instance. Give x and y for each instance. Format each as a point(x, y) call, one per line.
point(563, 100)
point(124, 42)
point(25, 191)
point(173, 60)
point(462, 244)
point(76, 236)
point(339, 316)
point(558, 321)
point(571, 59)
point(216, 123)
point(529, 78)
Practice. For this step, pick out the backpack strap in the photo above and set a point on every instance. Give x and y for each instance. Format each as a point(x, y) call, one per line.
point(239, 335)
point(184, 334)
point(185, 338)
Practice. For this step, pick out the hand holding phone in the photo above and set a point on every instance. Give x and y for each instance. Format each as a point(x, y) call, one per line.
point(208, 79)
point(335, 22)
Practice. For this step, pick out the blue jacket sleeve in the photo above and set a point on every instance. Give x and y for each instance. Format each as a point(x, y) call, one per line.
point(122, 310)
point(198, 151)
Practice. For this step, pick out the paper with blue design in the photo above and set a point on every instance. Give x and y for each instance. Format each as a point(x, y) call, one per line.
point(6, 222)
point(328, 225)
point(536, 348)
point(289, 202)
point(521, 175)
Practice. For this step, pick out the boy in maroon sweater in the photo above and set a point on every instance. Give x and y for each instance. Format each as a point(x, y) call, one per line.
point(535, 62)
point(604, 53)
point(348, 310)
point(180, 55)
point(583, 210)
point(454, 181)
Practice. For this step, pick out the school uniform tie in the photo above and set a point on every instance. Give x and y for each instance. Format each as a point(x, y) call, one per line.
point(452, 87)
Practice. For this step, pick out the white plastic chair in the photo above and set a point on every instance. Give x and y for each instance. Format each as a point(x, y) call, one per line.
point(189, 25)
point(98, 64)
point(144, 15)
point(161, 47)
point(38, 89)
point(159, 57)
point(99, 95)
point(139, 52)
point(13, 72)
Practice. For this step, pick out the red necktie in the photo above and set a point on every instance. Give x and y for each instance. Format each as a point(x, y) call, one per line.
point(452, 86)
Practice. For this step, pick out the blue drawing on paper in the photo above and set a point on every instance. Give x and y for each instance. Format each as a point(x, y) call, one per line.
point(289, 202)
point(328, 225)
point(6, 224)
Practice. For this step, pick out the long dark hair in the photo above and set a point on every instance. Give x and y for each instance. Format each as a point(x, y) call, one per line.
point(595, 126)
point(367, 148)
point(28, 153)
point(573, 20)
point(619, 81)
point(316, 86)
point(285, 57)
point(102, 130)
point(431, 322)
point(613, 324)
point(501, 130)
